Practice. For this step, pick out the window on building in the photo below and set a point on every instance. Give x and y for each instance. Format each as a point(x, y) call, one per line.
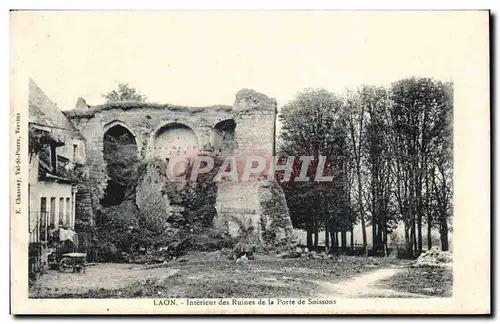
point(43, 210)
point(43, 218)
point(75, 149)
point(53, 210)
point(68, 212)
point(43, 204)
point(61, 211)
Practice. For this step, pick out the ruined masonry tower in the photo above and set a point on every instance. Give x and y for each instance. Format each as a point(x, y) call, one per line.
point(255, 118)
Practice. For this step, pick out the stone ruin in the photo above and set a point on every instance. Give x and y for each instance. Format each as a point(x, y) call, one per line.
point(256, 208)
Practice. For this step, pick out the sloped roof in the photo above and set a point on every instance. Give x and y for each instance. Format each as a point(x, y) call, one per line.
point(43, 111)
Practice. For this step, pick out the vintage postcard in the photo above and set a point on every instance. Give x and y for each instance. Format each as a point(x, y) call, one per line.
point(250, 162)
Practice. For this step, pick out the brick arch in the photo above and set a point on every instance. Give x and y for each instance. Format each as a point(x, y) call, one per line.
point(224, 118)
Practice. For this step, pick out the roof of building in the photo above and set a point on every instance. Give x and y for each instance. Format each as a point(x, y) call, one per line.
point(44, 111)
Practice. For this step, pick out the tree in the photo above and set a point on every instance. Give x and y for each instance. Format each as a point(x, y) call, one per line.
point(391, 157)
point(355, 123)
point(421, 125)
point(124, 93)
point(311, 127)
point(440, 168)
point(378, 162)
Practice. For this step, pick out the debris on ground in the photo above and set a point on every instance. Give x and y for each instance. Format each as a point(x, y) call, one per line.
point(242, 259)
point(241, 249)
point(289, 255)
point(314, 255)
point(434, 258)
point(170, 273)
point(394, 253)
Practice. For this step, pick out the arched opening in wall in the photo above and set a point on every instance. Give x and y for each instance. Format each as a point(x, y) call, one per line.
point(174, 139)
point(222, 138)
point(120, 155)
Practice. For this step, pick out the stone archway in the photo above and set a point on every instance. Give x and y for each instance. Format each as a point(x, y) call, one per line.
point(222, 137)
point(120, 155)
point(173, 139)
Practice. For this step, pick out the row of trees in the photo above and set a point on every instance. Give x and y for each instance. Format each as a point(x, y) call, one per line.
point(390, 152)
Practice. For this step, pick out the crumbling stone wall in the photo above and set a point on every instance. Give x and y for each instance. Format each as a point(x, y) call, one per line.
point(238, 206)
point(256, 204)
point(151, 197)
point(143, 121)
point(91, 129)
point(276, 224)
point(247, 128)
point(83, 209)
point(255, 122)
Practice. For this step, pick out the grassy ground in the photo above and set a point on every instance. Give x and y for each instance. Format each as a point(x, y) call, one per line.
point(435, 282)
point(206, 276)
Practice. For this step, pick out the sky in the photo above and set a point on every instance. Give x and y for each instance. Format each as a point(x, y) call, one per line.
point(199, 58)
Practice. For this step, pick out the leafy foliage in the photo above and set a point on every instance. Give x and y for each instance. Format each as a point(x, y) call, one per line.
point(392, 150)
point(124, 93)
point(37, 140)
point(312, 126)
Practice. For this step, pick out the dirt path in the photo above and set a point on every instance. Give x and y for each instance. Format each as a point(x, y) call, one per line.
point(365, 286)
point(101, 276)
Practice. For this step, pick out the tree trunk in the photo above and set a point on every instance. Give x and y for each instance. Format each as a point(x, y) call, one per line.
point(352, 239)
point(419, 231)
point(361, 211)
point(443, 231)
point(384, 240)
point(374, 234)
point(413, 238)
point(380, 234)
point(419, 203)
point(412, 212)
point(407, 238)
point(429, 231)
point(427, 209)
point(343, 237)
point(309, 238)
point(327, 237)
point(332, 240)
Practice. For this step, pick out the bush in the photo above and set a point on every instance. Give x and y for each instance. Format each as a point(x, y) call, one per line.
point(242, 249)
point(269, 237)
point(108, 252)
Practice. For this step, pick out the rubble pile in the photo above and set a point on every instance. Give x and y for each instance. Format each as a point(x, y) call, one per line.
point(434, 258)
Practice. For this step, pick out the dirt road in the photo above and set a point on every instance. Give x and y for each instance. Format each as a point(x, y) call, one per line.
point(366, 285)
point(341, 277)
